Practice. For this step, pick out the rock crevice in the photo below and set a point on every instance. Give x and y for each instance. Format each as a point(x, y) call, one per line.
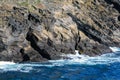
point(33, 42)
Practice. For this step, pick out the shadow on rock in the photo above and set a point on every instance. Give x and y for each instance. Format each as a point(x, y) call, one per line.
point(33, 42)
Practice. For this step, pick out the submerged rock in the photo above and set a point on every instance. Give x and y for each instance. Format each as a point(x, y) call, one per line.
point(47, 29)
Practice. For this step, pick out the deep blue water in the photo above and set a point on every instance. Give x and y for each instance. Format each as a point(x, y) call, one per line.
point(104, 67)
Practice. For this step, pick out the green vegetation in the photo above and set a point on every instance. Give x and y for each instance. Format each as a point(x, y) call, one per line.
point(38, 1)
point(28, 3)
point(23, 4)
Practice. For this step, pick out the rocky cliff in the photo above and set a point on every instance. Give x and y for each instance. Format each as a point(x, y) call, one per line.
point(42, 30)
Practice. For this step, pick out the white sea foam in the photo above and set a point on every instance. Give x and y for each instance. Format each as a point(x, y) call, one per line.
point(5, 62)
point(103, 59)
point(73, 59)
point(115, 49)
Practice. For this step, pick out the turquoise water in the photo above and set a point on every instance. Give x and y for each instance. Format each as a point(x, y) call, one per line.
point(79, 67)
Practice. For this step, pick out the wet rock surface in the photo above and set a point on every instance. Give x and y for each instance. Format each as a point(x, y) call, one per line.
point(50, 28)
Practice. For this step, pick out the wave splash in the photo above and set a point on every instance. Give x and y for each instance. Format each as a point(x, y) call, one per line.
point(73, 59)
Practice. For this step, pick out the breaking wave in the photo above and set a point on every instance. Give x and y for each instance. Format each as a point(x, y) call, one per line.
point(72, 60)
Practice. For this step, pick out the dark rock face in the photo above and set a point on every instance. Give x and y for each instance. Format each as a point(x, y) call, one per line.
point(45, 33)
point(33, 42)
point(2, 46)
point(118, 18)
point(24, 56)
point(116, 4)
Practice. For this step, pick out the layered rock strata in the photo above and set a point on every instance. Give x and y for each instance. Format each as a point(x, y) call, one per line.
point(49, 28)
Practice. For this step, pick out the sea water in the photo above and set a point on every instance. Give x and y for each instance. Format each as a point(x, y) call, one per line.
point(77, 67)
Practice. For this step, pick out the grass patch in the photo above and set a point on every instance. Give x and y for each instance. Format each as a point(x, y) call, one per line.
point(23, 4)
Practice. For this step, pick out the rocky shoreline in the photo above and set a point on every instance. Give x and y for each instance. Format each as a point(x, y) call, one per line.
point(47, 29)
